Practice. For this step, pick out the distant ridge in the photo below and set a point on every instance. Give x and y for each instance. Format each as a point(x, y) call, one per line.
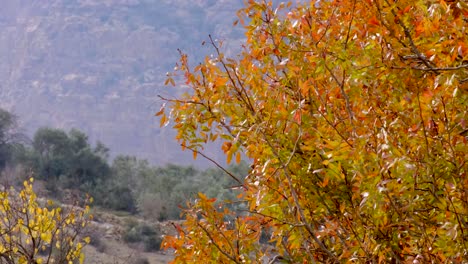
point(98, 65)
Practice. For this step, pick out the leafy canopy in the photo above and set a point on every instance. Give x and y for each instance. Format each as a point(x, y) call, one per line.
point(354, 115)
point(69, 156)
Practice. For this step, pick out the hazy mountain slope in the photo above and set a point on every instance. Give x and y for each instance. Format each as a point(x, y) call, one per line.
point(98, 65)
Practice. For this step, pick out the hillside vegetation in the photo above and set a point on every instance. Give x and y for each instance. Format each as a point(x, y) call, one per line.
point(132, 198)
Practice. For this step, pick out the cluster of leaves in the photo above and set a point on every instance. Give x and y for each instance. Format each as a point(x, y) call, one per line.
point(354, 114)
point(30, 233)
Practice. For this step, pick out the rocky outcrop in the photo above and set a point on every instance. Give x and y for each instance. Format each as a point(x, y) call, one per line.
point(98, 65)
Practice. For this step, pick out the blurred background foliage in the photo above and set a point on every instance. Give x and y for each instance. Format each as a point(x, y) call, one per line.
point(67, 166)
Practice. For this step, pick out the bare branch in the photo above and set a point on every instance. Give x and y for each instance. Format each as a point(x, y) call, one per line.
point(217, 165)
point(180, 101)
point(349, 26)
point(436, 69)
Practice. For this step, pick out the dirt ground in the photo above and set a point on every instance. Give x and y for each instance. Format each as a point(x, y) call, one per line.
point(118, 253)
point(108, 229)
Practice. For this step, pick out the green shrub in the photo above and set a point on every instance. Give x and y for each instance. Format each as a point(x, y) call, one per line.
point(143, 233)
point(153, 243)
point(132, 236)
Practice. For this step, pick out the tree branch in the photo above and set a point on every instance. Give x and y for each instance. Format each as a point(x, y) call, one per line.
point(436, 69)
point(217, 165)
point(216, 245)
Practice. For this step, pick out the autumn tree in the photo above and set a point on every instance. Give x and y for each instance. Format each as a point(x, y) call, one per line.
point(34, 233)
point(354, 115)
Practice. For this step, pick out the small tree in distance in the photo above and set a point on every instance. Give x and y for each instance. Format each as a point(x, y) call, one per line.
point(30, 233)
point(354, 114)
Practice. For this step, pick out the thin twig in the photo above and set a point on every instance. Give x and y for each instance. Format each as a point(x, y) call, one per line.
point(217, 165)
point(326, 28)
point(326, 119)
point(349, 26)
point(307, 225)
point(216, 245)
point(345, 95)
point(180, 101)
point(463, 66)
point(414, 49)
point(246, 100)
point(423, 125)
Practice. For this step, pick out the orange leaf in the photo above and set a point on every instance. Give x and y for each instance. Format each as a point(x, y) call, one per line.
point(325, 182)
point(419, 29)
point(163, 120)
point(160, 112)
point(226, 146)
point(238, 157)
point(374, 21)
point(202, 196)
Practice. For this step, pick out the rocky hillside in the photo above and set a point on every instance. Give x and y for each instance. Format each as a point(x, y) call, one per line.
point(108, 240)
point(99, 65)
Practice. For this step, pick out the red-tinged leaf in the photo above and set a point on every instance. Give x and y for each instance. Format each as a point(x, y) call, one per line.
point(160, 112)
point(428, 94)
point(420, 29)
point(407, 9)
point(226, 146)
point(373, 21)
point(297, 116)
point(429, 53)
point(325, 181)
